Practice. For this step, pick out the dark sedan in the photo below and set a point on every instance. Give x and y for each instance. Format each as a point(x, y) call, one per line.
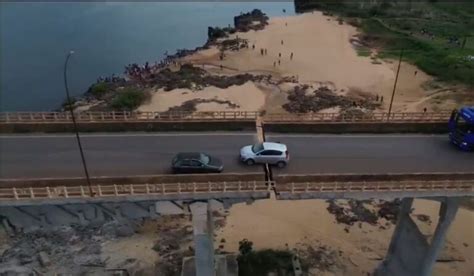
point(196, 162)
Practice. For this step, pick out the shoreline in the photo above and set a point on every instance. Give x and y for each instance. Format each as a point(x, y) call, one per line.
point(318, 70)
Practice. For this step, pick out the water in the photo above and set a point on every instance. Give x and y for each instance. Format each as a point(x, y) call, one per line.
point(35, 38)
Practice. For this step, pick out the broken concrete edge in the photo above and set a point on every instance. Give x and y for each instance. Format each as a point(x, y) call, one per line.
point(133, 179)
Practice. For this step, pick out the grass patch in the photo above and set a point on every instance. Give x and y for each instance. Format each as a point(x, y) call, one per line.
point(363, 51)
point(263, 262)
point(422, 28)
point(129, 99)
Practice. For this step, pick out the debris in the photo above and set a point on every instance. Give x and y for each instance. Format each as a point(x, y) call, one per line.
point(44, 259)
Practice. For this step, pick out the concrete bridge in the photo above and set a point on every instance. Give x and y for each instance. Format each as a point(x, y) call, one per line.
point(360, 167)
point(29, 203)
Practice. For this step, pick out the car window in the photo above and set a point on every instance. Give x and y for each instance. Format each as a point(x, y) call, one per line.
point(205, 159)
point(257, 147)
point(270, 153)
point(196, 163)
point(185, 162)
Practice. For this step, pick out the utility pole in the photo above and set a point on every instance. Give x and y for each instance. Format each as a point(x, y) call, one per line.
point(71, 109)
point(395, 84)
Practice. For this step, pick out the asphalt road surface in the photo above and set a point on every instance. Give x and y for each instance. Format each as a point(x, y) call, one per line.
point(34, 156)
point(394, 153)
point(38, 156)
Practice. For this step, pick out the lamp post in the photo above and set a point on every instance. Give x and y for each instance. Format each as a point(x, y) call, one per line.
point(71, 109)
point(395, 84)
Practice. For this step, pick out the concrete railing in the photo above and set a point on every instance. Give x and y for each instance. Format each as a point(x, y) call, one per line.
point(27, 117)
point(374, 189)
point(365, 118)
point(53, 117)
point(124, 190)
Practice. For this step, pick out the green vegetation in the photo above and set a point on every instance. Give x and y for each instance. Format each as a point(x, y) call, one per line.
point(438, 37)
point(129, 99)
point(98, 90)
point(263, 262)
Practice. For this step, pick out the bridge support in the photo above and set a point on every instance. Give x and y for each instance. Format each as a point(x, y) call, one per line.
point(203, 239)
point(409, 252)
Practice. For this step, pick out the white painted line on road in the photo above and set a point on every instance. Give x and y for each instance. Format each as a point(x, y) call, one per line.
point(355, 135)
point(129, 135)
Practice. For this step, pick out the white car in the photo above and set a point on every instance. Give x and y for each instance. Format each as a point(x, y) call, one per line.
point(265, 153)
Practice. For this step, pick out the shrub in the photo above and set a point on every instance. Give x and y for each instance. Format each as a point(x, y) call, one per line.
point(99, 89)
point(129, 99)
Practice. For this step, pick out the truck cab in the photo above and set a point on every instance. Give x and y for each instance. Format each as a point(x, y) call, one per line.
point(461, 128)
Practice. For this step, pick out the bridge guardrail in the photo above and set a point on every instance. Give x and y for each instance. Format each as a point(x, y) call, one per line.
point(375, 186)
point(103, 191)
point(27, 117)
point(113, 116)
point(364, 118)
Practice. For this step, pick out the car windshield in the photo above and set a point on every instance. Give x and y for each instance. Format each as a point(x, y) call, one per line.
point(205, 159)
point(257, 147)
point(465, 126)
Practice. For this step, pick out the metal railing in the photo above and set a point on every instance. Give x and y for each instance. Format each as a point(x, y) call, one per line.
point(376, 186)
point(15, 117)
point(372, 117)
point(102, 191)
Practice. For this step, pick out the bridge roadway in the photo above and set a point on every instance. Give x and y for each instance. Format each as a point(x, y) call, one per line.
point(33, 156)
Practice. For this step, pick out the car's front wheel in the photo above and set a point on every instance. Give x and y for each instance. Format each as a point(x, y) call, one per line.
point(281, 164)
point(250, 162)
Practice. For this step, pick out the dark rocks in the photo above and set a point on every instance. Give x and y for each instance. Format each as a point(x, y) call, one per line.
point(254, 20)
point(124, 230)
point(303, 101)
point(44, 259)
point(423, 218)
point(389, 210)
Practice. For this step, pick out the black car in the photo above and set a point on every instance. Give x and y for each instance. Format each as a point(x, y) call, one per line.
point(196, 162)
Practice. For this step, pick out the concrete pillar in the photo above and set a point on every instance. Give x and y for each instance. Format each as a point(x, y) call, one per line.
point(403, 216)
point(203, 239)
point(447, 213)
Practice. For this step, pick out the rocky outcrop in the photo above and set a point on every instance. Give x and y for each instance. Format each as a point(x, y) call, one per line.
point(254, 20)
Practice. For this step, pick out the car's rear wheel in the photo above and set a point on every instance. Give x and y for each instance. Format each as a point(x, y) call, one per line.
point(281, 164)
point(250, 162)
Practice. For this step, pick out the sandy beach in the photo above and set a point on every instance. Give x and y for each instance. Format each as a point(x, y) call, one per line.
point(315, 50)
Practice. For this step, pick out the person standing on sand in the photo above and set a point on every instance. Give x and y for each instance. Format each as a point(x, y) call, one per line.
point(291, 56)
point(265, 51)
point(416, 72)
point(261, 51)
point(279, 55)
point(274, 64)
point(282, 42)
point(278, 62)
point(253, 46)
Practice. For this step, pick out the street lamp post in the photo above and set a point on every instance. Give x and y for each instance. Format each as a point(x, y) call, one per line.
point(395, 85)
point(71, 109)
